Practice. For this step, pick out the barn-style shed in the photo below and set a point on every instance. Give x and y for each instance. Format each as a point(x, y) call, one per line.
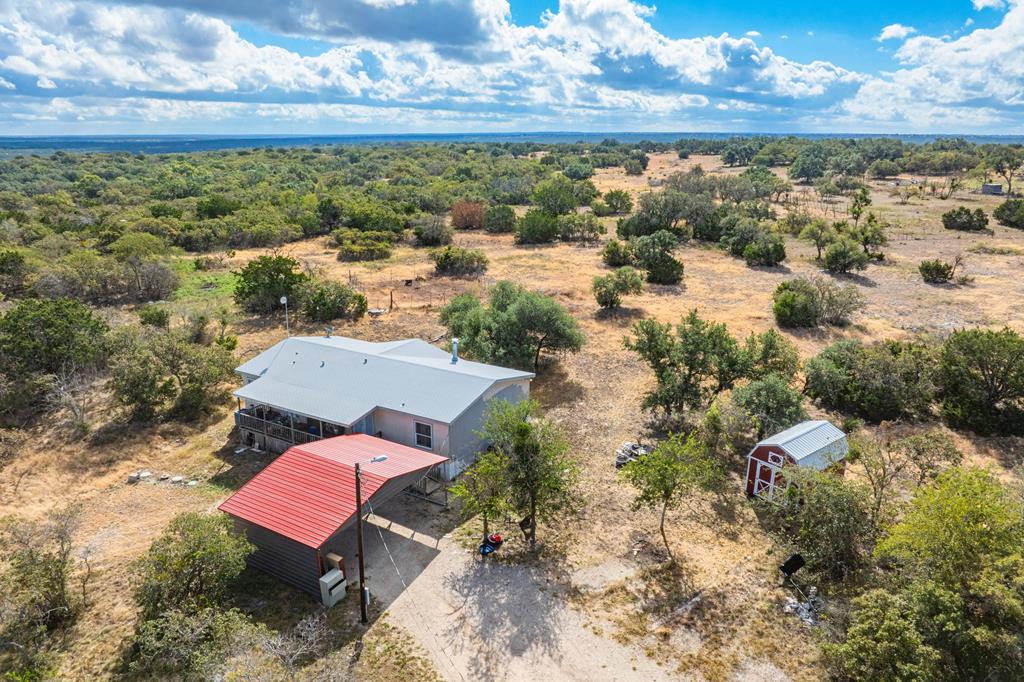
point(816, 444)
point(297, 511)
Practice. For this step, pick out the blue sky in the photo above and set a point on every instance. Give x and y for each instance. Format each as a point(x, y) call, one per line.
point(393, 66)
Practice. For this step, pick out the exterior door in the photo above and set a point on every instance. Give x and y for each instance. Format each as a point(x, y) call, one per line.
point(764, 482)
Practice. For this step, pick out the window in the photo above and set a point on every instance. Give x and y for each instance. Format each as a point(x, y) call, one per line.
point(424, 435)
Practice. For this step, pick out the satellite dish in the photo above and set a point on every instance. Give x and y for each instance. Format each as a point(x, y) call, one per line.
point(284, 300)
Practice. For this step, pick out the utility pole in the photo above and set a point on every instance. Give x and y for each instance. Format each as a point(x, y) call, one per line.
point(359, 542)
point(287, 327)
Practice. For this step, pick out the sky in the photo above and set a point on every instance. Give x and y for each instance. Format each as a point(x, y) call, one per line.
point(277, 67)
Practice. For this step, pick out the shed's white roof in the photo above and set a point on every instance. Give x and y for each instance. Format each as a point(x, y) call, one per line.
point(816, 443)
point(341, 379)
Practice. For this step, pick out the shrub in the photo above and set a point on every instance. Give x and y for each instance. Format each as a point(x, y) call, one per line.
point(845, 255)
point(964, 219)
point(884, 381)
point(809, 302)
point(431, 230)
point(155, 316)
point(467, 215)
point(633, 167)
point(981, 379)
point(618, 201)
point(654, 254)
point(499, 219)
point(186, 645)
point(537, 227)
point(616, 254)
point(325, 300)
point(459, 262)
point(191, 565)
point(600, 208)
point(360, 245)
point(260, 285)
point(216, 206)
point(162, 210)
point(771, 404)
point(768, 248)
point(819, 233)
point(935, 271)
point(39, 336)
point(609, 289)
point(555, 196)
point(1010, 213)
point(13, 271)
point(579, 227)
point(578, 171)
point(796, 304)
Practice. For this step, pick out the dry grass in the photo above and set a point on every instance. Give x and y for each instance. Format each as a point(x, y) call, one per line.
point(724, 555)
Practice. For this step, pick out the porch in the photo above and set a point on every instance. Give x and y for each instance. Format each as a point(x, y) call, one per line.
point(286, 427)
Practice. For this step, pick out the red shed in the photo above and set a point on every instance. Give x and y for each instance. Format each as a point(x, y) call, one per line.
point(296, 510)
point(814, 444)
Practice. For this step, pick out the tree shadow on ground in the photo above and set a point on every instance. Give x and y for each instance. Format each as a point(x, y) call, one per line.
point(619, 315)
point(510, 609)
point(852, 278)
point(238, 464)
point(553, 387)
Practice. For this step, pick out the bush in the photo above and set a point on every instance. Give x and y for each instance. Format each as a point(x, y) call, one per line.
point(616, 254)
point(431, 231)
point(578, 171)
point(600, 208)
point(935, 271)
point(467, 215)
point(654, 254)
point(619, 201)
point(537, 227)
point(360, 245)
point(981, 379)
point(768, 248)
point(186, 645)
point(609, 289)
point(459, 262)
point(845, 255)
point(579, 227)
point(191, 565)
point(155, 316)
point(796, 304)
point(964, 219)
point(325, 300)
point(500, 219)
point(555, 196)
point(633, 167)
point(771, 404)
point(216, 206)
point(881, 382)
point(260, 285)
point(804, 302)
point(39, 336)
point(1010, 213)
point(13, 271)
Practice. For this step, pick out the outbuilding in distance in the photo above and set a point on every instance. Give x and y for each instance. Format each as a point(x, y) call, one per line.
point(815, 444)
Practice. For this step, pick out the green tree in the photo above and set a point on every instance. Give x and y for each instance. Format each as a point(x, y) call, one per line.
point(654, 254)
point(609, 289)
point(771, 404)
point(859, 202)
point(1010, 213)
point(261, 283)
point(981, 380)
point(541, 477)
point(669, 476)
point(537, 227)
point(883, 644)
point(809, 165)
point(964, 219)
point(135, 249)
point(499, 219)
point(191, 565)
point(555, 195)
point(325, 300)
point(819, 233)
point(483, 488)
point(691, 366)
point(845, 255)
point(514, 328)
point(1006, 162)
point(48, 336)
point(618, 201)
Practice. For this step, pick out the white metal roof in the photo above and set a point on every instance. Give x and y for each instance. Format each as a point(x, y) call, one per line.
point(341, 379)
point(816, 443)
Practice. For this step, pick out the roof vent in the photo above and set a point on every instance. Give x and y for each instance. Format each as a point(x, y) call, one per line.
point(455, 350)
point(328, 331)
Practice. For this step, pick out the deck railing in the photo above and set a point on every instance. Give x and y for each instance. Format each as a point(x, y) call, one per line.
point(274, 429)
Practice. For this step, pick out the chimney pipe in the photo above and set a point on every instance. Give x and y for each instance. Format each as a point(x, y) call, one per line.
point(455, 350)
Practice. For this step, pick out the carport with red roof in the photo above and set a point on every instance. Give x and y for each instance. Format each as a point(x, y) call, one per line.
point(298, 509)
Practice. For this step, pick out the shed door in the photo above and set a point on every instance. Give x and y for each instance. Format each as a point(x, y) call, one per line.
point(764, 483)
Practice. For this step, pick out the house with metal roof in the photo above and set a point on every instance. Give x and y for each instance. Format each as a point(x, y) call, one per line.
point(307, 388)
point(300, 509)
point(815, 444)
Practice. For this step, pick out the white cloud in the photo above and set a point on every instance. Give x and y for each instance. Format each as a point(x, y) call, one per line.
point(45, 83)
point(988, 4)
point(895, 32)
point(6, 84)
point(753, 34)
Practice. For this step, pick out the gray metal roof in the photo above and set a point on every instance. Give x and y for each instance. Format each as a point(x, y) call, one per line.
point(341, 379)
point(816, 444)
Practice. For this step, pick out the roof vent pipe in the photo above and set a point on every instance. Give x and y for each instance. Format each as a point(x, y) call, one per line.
point(455, 350)
point(329, 330)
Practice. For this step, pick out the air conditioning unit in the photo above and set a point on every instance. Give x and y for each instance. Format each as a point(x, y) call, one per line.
point(332, 587)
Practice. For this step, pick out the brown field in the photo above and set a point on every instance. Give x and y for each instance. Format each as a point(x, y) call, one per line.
point(607, 574)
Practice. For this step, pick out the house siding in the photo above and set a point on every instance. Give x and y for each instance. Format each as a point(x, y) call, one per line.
point(289, 561)
point(465, 443)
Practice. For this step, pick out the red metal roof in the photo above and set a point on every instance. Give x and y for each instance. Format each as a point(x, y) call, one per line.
point(308, 493)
